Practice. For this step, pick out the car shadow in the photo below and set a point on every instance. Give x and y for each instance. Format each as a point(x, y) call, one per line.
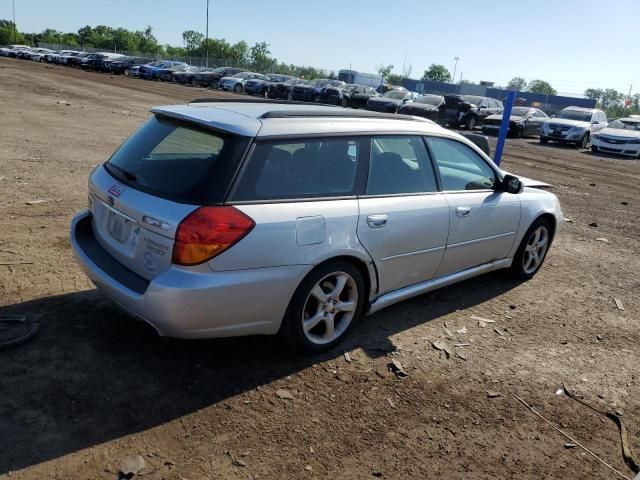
point(94, 374)
point(568, 146)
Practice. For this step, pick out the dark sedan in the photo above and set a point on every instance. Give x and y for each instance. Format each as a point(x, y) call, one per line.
point(257, 86)
point(425, 106)
point(312, 91)
point(391, 101)
point(124, 65)
point(360, 95)
point(282, 90)
point(212, 78)
point(468, 110)
point(523, 121)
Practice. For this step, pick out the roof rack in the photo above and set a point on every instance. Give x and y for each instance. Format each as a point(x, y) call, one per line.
point(255, 100)
point(346, 113)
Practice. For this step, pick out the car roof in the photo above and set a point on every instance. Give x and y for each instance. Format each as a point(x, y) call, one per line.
point(266, 119)
point(582, 109)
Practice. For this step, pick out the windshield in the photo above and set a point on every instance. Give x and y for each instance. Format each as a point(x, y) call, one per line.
point(519, 111)
point(434, 100)
point(395, 94)
point(575, 115)
point(178, 160)
point(318, 82)
point(626, 124)
point(472, 99)
point(240, 75)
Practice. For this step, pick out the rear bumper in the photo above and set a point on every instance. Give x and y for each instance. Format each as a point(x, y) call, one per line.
point(184, 303)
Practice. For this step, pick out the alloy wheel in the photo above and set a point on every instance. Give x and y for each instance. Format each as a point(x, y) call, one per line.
point(536, 249)
point(329, 308)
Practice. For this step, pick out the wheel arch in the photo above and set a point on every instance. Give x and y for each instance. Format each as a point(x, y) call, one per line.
point(552, 221)
point(366, 269)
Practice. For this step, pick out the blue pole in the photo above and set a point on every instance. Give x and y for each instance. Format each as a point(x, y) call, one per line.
point(504, 127)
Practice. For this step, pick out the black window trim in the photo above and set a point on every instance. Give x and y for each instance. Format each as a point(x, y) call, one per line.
point(437, 170)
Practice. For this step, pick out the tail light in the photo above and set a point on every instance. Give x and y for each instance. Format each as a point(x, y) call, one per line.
point(207, 232)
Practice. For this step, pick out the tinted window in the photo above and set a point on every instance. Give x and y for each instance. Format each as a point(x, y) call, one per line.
point(460, 167)
point(399, 165)
point(299, 169)
point(178, 161)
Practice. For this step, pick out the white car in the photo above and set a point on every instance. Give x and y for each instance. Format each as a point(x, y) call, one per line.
point(37, 54)
point(11, 50)
point(620, 137)
point(235, 83)
point(574, 125)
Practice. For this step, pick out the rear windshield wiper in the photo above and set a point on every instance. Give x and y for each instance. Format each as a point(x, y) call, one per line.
point(127, 174)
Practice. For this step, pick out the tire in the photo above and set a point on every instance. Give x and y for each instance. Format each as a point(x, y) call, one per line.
point(471, 123)
point(532, 250)
point(520, 132)
point(544, 140)
point(214, 84)
point(584, 142)
point(313, 304)
point(594, 149)
point(237, 88)
point(127, 72)
point(344, 103)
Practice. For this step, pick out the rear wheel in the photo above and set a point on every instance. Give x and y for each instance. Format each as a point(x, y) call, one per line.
point(214, 84)
point(532, 250)
point(471, 122)
point(237, 88)
point(324, 307)
point(594, 149)
point(544, 140)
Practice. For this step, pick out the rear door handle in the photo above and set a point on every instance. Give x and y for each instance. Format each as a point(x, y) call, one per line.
point(463, 211)
point(377, 221)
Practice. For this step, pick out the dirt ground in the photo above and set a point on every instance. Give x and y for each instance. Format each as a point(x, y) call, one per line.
point(96, 386)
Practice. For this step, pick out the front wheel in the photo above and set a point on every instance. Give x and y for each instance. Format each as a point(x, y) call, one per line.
point(532, 250)
point(544, 140)
point(584, 141)
point(324, 307)
point(594, 149)
point(237, 88)
point(471, 123)
point(214, 84)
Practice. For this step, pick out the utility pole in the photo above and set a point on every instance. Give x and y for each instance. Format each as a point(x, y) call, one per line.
point(206, 38)
point(15, 29)
point(455, 67)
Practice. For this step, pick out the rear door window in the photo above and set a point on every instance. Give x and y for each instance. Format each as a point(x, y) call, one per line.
point(178, 161)
point(309, 168)
point(399, 165)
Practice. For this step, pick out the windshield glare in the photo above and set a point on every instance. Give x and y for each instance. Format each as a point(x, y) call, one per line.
point(430, 100)
point(472, 99)
point(395, 94)
point(625, 125)
point(575, 115)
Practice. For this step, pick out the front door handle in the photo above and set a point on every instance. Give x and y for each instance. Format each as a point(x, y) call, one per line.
point(377, 221)
point(463, 211)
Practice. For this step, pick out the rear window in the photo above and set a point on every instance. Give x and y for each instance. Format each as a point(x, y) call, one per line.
point(178, 161)
point(310, 168)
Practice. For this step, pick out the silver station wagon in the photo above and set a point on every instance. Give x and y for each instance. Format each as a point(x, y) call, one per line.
point(232, 218)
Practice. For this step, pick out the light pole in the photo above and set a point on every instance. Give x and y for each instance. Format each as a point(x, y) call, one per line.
point(206, 38)
point(15, 30)
point(455, 67)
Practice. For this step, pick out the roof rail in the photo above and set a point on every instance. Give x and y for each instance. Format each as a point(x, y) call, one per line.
point(254, 100)
point(346, 113)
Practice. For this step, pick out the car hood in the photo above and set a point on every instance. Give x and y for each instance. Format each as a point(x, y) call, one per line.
point(420, 106)
point(385, 101)
point(513, 118)
point(570, 123)
point(620, 133)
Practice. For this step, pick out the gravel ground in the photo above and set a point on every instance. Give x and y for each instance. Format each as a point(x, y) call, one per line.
point(95, 386)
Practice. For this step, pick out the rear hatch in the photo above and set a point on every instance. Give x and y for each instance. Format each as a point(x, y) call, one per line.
point(162, 173)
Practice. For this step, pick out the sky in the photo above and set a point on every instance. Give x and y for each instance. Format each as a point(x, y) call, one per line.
point(572, 44)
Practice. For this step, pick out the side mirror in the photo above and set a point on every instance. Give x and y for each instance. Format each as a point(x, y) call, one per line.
point(595, 122)
point(511, 184)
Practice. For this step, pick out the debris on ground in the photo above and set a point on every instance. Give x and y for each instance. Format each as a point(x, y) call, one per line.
point(482, 322)
point(602, 239)
point(396, 367)
point(391, 403)
point(498, 332)
point(492, 394)
point(308, 468)
point(570, 445)
point(618, 303)
point(36, 202)
point(443, 347)
point(238, 462)
point(593, 224)
point(284, 394)
point(347, 357)
point(131, 465)
point(462, 331)
point(461, 355)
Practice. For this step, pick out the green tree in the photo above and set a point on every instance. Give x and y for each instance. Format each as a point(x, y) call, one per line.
point(394, 79)
point(8, 33)
point(192, 40)
point(437, 73)
point(541, 86)
point(611, 98)
point(384, 71)
point(517, 83)
point(260, 58)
